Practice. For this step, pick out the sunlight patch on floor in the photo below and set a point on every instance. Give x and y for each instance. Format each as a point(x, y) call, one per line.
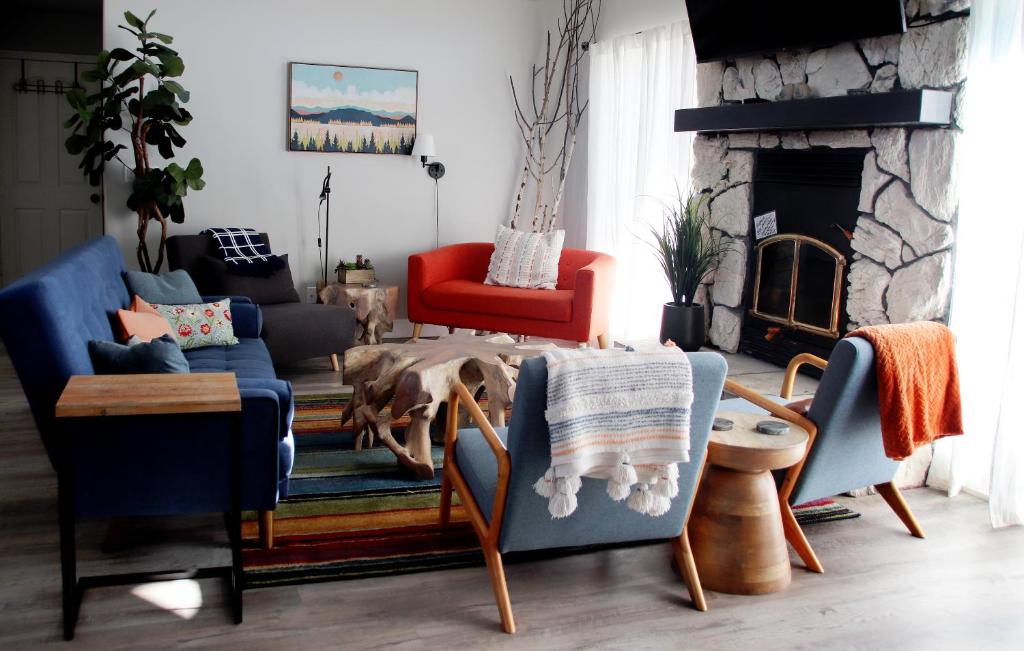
point(183, 597)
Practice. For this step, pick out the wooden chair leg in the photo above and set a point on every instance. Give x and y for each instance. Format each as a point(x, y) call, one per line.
point(895, 500)
point(602, 340)
point(497, 572)
point(417, 328)
point(266, 526)
point(684, 559)
point(446, 499)
point(796, 537)
point(335, 366)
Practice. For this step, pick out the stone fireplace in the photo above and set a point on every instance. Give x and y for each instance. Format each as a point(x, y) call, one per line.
point(885, 236)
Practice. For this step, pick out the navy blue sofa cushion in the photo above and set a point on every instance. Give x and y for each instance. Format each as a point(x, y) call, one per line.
point(144, 465)
point(161, 355)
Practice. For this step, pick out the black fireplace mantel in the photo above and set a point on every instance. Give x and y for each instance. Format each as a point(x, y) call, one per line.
point(898, 108)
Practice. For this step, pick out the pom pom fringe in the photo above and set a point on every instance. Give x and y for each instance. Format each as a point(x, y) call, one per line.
point(617, 490)
point(624, 472)
point(563, 502)
point(545, 486)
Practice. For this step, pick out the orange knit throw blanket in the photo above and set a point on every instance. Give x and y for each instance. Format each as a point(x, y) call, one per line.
point(918, 384)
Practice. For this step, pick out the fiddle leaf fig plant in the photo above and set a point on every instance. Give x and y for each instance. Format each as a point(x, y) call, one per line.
point(137, 95)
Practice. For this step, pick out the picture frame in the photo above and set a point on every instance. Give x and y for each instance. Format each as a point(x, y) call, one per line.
point(351, 109)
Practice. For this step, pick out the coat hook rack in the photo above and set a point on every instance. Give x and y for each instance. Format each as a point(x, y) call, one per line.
point(40, 86)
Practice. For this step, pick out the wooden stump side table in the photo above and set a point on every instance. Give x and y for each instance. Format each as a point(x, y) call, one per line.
point(736, 527)
point(375, 307)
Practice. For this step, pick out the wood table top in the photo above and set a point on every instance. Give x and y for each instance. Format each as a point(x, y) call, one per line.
point(147, 394)
point(744, 448)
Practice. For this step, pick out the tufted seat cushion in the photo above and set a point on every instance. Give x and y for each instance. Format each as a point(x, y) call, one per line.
point(478, 298)
point(248, 359)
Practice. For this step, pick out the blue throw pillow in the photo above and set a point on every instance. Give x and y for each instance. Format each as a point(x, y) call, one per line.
point(174, 288)
point(161, 355)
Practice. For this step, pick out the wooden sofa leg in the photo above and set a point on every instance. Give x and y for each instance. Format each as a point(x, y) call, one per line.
point(417, 328)
point(335, 366)
point(451, 330)
point(895, 500)
point(795, 536)
point(684, 559)
point(497, 572)
point(602, 340)
point(267, 529)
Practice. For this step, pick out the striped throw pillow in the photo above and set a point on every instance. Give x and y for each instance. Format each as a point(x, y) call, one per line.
point(525, 259)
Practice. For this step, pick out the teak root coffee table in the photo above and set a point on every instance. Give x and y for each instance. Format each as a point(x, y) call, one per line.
point(414, 378)
point(736, 526)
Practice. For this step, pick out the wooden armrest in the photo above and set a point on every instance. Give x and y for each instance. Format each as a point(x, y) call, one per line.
point(772, 407)
point(794, 365)
point(477, 416)
point(460, 394)
point(780, 411)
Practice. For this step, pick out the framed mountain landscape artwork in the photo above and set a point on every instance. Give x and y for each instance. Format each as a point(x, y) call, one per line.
point(349, 109)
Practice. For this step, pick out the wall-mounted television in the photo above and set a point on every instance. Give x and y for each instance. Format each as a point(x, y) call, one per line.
point(726, 29)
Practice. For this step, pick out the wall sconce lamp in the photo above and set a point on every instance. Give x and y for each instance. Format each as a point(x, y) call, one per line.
point(424, 148)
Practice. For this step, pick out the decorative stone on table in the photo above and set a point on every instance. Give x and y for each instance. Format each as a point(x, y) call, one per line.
point(375, 307)
point(416, 377)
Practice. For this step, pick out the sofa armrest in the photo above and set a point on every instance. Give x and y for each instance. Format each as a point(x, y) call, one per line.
point(592, 301)
point(246, 320)
point(221, 297)
point(166, 464)
point(282, 390)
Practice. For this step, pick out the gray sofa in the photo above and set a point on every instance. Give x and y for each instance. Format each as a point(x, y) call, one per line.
point(292, 330)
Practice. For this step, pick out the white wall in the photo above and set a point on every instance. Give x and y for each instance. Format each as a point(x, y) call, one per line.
point(620, 17)
point(236, 55)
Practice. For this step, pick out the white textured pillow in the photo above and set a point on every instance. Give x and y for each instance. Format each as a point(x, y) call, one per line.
point(525, 259)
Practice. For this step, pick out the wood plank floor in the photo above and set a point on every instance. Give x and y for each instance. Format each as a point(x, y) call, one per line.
point(962, 587)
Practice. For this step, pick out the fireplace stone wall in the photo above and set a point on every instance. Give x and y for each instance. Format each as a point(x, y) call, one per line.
point(902, 262)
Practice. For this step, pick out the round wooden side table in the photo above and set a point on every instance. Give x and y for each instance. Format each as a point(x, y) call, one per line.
point(736, 526)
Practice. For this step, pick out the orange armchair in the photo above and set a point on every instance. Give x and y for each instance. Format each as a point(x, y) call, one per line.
point(446, 287)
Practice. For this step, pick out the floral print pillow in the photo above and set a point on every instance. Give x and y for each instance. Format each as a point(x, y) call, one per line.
point(203, 324)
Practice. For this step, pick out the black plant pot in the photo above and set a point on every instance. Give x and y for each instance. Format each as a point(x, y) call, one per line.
point(683, 324)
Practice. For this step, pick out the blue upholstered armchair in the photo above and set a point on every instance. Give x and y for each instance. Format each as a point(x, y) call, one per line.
point(845, 449)
point(493, 471)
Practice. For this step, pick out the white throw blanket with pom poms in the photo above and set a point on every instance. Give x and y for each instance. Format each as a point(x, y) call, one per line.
point(619, 415)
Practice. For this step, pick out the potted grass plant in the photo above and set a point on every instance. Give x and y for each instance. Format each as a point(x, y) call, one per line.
point(687, 251)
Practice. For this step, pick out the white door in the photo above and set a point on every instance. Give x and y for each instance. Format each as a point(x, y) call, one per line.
point(46, 205)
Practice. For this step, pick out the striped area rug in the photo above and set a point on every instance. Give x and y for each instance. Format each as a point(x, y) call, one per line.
point(824, 510)
point(354, 514)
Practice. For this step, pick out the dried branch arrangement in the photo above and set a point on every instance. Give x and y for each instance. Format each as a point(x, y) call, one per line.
point(549, 116)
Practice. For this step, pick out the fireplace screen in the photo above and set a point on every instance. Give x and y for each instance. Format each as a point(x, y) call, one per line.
point(797, 283)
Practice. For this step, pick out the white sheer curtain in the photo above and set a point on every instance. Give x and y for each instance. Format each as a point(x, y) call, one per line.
point(988, 302)
point(635, 158)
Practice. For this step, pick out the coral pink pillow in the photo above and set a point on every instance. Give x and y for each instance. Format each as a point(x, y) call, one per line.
point(143, 321)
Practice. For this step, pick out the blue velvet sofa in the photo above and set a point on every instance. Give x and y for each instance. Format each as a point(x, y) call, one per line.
point(143, 465)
